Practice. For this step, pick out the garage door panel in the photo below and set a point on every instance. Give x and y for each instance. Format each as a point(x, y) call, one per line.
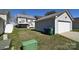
point(63, 27)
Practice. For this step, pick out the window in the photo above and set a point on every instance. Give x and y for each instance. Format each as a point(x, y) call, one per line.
point(22, 20)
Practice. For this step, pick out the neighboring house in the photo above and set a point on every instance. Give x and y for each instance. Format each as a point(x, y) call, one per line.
point(25, 21)
point(60, 22)
point(4, 19)
point(76, 23)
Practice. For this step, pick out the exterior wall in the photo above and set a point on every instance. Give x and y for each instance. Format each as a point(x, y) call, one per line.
point(22, 21)
point(30, 22)
point(1, 26)
point(3, 21)
point(41, 25)
point(63, 17)
point(4, 17)
point(75, 25)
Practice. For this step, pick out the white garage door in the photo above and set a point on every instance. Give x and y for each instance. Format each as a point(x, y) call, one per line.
point(63, 27)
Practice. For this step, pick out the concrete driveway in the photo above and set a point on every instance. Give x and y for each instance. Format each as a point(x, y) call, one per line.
point(71, 35)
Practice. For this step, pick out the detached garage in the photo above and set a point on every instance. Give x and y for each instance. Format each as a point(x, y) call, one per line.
point(60, 22)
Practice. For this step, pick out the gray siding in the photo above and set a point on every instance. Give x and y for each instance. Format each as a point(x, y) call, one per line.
point(41, 25)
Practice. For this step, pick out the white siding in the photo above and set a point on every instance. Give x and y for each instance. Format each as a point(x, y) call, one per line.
point(63, 17)
point(22, 21)
point(30, 22)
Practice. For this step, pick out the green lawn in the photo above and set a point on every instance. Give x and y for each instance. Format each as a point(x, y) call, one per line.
point(77, 30)
point(45, 42)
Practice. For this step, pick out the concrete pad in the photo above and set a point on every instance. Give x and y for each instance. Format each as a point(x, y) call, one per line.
point(71, 35)
point(5, 44)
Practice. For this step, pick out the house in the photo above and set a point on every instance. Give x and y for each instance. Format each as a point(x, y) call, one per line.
point(60, 22)
point(4, 29)
point(76, 23)
point(27, 21)
point(4, 19)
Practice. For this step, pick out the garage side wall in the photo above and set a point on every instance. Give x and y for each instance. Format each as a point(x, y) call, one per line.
point(42, 24)
point(63, 17)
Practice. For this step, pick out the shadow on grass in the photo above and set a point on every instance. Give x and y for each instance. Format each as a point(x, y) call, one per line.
point(75, 30)
point(45, 33)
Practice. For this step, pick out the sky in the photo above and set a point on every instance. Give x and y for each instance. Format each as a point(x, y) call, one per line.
point(41, 12)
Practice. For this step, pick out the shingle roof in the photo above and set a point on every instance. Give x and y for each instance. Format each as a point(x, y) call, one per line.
point(56, 14)
point(27, 16)
point(38, 17)
point(50, 16)
point(1, 18)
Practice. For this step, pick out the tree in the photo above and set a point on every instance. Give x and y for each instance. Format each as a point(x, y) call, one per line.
point(50, 12)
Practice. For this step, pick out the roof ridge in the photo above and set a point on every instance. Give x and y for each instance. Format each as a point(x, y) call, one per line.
point(55, 14)
point(25, 15)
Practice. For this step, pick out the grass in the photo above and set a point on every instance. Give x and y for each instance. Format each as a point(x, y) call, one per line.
point(45, 42)
point(77, 30)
